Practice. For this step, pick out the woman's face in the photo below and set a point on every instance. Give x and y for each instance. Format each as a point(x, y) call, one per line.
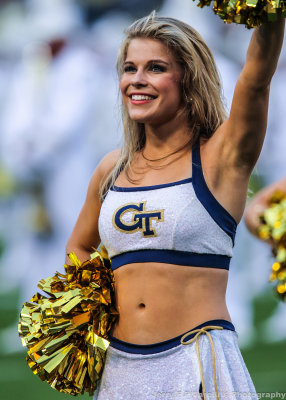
point(151, 82)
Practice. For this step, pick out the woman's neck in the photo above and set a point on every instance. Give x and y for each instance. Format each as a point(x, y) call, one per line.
point(166, 137)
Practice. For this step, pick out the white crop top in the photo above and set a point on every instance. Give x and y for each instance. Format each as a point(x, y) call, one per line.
point(176, 223)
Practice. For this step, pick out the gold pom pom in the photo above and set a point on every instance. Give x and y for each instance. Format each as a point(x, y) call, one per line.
point(250, 13)
point(273, 228)
point(66, 333)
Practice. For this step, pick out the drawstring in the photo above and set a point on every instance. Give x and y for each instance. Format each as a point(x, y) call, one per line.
point(198, 332)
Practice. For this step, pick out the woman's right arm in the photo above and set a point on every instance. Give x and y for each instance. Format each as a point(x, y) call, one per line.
point(85, 238)
point(259, 203)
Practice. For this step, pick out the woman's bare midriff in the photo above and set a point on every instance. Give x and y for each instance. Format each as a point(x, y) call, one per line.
point(159, 301)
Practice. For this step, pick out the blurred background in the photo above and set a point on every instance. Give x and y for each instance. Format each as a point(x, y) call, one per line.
point(59, 116)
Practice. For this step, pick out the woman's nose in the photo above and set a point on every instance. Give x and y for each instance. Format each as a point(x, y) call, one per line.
point(139, 79)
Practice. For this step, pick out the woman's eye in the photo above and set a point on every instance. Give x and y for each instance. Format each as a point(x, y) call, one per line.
point(129, 68)
point(157, 68)
point(153, 68)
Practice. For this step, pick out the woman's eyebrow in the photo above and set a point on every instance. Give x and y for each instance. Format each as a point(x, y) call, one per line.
point(150, 62)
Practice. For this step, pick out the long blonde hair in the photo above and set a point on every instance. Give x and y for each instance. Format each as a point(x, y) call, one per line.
point(201, 86)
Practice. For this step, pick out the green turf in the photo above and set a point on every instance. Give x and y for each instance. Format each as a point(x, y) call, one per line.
point(267, 366)
point(17, 382)
point(8, 308)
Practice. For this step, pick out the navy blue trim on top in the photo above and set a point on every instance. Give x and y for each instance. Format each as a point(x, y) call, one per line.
point(176, 257)
point(153, 348)
point(218, 213)
point(142, 188)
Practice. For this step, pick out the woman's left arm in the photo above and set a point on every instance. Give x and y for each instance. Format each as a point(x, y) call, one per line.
point(243, 133)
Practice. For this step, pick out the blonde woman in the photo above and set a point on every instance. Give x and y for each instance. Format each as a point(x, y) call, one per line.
point(166, 206)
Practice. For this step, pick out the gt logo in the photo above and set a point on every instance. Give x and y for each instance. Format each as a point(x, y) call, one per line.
point(141, 220)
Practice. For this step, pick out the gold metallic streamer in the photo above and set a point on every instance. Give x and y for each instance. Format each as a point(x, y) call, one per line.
point(66, 330)
point(250, 13)
point(273, 230)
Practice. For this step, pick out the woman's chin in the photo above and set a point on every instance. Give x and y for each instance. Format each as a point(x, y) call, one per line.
point(144, 119)
point(140, 119)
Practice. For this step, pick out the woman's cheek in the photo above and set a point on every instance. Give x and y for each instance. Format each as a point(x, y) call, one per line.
point(122, 85)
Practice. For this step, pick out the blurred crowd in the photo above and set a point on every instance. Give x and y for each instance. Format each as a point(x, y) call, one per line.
point(60, 113)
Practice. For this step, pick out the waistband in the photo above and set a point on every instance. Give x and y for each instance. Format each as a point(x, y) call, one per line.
point(166, 344)
point(177, 257)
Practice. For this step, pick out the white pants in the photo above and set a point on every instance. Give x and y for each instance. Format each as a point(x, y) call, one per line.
point(175, 373)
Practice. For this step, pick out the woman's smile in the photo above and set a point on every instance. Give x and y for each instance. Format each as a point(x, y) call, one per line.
point(141, 98)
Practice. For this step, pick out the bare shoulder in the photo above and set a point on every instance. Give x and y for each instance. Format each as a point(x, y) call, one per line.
point(85, 235)
point(104, 167)
point(108, 161)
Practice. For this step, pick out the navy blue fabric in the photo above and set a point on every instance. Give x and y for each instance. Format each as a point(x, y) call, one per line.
point(121, 210)
point(166, 344)
point(171, 257)
point(219, 214)
point(153, 187)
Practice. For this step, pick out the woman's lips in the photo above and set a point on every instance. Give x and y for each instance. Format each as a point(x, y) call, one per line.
point(140, 101)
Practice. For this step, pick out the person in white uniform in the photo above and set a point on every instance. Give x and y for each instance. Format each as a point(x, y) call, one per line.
point(166, 207)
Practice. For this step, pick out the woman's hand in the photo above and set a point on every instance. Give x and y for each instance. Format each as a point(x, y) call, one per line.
point(259, 204)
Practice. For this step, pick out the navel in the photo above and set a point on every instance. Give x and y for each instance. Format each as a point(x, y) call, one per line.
point(141, 305)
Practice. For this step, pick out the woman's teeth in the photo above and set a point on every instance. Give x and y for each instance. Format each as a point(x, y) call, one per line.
point(141, 97)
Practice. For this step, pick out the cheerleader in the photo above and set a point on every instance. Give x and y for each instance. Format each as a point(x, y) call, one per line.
point(166, 207)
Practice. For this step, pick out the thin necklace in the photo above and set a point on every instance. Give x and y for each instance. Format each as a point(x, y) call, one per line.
point(168, 155)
